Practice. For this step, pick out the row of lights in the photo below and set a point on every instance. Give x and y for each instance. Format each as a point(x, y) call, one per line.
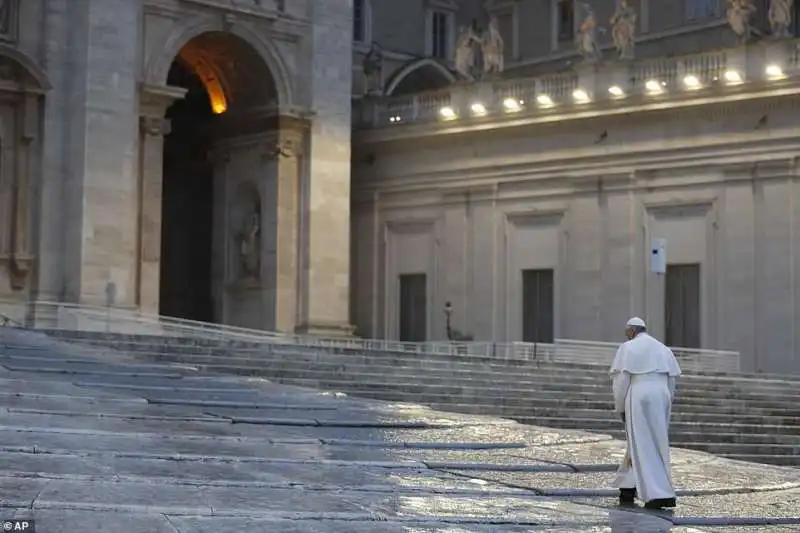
point(580, 96)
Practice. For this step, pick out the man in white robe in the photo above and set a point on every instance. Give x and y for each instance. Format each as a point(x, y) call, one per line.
point(644, 373)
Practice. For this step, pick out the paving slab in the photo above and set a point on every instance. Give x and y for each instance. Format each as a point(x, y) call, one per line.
point(87, 452)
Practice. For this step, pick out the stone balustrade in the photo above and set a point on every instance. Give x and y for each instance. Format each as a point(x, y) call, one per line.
point(750, 67)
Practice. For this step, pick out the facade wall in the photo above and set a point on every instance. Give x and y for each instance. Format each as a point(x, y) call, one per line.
point(472, 210)
point(96, 173)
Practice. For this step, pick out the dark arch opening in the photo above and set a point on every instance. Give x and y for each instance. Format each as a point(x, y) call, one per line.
point(425, 78)
point(226, 80)
point(186, 215)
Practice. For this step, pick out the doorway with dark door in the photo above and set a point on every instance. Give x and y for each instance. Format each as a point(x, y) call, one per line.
point(413, 308)
point(682, 306)
point(538, 305)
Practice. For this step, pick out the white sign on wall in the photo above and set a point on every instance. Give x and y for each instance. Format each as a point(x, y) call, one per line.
point(658, 256)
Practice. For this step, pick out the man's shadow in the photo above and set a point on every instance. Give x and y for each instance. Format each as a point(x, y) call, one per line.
point(636, 520)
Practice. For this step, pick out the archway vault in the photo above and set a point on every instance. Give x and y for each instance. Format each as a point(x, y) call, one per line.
point(195, 42)
point(232, 72)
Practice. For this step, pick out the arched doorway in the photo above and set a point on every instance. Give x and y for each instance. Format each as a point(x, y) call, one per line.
point(203, 239)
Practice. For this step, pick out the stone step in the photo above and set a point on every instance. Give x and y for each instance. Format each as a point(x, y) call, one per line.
point(723, 438)
point(427, 394)
point(782, 460)
point(725, 448)
point(324, 369)
point(501, 368)
point(135, 343)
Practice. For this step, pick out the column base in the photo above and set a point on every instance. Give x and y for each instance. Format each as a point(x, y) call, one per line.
point(334, 330)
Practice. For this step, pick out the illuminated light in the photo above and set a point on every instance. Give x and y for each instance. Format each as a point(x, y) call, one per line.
point(581, 96)
point(512, 104)
point(616, 91)
point(732, 77)
point(395, 119)
point(774, 72)
point(544, 100)
point(478, 109)
point(447, 113)
point(193, 58)
point(691, 82)
point(654, 86)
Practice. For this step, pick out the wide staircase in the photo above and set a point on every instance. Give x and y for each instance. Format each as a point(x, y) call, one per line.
point(740, 416)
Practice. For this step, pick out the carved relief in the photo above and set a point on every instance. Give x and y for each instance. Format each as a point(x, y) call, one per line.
point(372, 67)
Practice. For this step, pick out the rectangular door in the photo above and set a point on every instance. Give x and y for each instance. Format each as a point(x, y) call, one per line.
point(538, 305)
point(413, 308)
point(682, 301)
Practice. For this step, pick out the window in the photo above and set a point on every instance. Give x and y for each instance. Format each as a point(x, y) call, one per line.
point(565, 19)
point(439, 34)
point(359, 21)
point(538, 306)
point(696, 10)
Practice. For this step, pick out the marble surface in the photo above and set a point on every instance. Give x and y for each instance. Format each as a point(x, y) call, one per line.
point(95, 443)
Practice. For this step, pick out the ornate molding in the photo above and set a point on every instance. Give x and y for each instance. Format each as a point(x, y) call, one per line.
point(155, 126)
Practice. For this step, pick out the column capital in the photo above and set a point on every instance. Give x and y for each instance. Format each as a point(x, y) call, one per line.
point(154, 126)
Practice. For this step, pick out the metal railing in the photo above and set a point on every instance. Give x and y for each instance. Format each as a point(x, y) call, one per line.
point(95, 319)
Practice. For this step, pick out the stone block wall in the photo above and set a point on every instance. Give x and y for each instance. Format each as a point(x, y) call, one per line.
point(472, 210)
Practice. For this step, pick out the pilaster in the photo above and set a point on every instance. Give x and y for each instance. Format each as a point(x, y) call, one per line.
point(153, 103)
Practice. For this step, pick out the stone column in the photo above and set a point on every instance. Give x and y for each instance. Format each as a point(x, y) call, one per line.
point(325, 292)
point(21, 258)
point(287, 203)
point(154, 102)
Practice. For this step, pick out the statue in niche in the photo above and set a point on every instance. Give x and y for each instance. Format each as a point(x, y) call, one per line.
point(465, 52)
point(586, 38)
point(250, 245)
point(738, 17)
point(780, 18)
point(492, 48)
point(372, 67)
point(623, 30)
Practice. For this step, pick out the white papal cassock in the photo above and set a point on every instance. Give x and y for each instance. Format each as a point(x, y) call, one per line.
point(644, 373)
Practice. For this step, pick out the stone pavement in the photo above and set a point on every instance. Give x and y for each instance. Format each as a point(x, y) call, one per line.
point(105, 443)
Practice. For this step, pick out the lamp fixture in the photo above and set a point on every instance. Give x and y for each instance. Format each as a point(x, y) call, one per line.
point(447, 113)
point(691, 82)
point(732, 77)
point(512, 104)
point(774, 72)
point(581, 96)
point(616, 91)
point(654, 86)
point(478, 109)
point(544, 100)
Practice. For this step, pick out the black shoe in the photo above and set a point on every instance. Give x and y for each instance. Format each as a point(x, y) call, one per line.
point(661, 503)
point(627, 496)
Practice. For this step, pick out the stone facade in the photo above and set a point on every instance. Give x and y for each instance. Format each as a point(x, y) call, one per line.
point(86, 98)
point(583, 189)
point(90, 93)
